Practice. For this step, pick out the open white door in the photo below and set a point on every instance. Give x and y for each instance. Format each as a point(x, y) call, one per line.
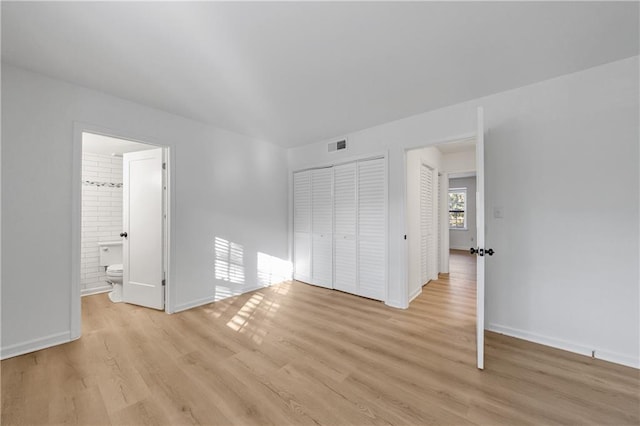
point(480, 251)
point(143, 212)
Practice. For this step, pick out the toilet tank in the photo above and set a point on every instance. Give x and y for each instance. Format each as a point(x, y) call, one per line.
point(110, 252)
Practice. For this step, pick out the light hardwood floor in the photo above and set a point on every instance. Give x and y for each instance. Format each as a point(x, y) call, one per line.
point(298, 354)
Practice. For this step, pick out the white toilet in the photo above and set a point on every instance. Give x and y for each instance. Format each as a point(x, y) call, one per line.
point(111, 258)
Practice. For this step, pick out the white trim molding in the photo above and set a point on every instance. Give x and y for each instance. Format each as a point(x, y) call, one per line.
point(415, 294)
point(95, 290)
point(211, 299)
point(396, 304)
point(577, 348)
point(194, 303)
point(35, 344)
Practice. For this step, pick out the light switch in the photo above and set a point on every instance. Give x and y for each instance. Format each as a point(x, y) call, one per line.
point(498, 212)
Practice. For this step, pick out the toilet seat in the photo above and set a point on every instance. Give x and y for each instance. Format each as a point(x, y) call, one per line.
point(115, 270)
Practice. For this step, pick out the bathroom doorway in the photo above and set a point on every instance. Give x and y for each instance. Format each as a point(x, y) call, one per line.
point(122, 221)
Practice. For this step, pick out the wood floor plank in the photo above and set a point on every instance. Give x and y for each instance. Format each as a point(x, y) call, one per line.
point(295, 354)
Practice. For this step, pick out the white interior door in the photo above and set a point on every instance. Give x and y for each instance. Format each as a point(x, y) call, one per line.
point(302, 226)
point(345, 214)
point(322, 227)
point(480, 238)
point(143, 210)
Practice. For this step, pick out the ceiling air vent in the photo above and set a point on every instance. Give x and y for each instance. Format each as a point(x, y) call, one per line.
point(337, 146)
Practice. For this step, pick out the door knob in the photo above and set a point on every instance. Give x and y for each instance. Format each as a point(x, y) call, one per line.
point(481, 252)
point(478, 251)
point(123, 234)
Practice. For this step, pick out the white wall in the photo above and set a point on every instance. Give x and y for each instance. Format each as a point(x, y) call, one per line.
point(225, 185)
point(464, 161)
point(463, 239)
point(101, 216)
point(568, 283)
point(415, 158)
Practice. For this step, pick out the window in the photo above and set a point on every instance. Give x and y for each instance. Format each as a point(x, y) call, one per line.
point(458, 208)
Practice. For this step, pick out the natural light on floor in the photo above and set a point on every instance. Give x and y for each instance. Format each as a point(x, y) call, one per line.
point(242, 321)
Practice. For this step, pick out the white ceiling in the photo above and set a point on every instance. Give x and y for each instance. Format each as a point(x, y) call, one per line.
point(299, 72)
point(106, 145)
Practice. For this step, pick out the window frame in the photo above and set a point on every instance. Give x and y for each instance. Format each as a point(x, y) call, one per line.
point(465, 211)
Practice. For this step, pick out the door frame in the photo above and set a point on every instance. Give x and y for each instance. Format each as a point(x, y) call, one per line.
point(405, 251)
point(405, 199)
point(76, 218)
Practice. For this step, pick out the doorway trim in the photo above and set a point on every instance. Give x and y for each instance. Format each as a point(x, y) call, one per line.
point(76, 218)
point(405, 198)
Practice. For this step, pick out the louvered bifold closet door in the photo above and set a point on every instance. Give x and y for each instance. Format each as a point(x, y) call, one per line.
point(371, 184)
point(426, 221)
point(322, 227)
point(302, 226)
point(345, 260)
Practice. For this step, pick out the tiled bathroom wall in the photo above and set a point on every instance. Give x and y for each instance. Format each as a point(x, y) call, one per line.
point(101, 215)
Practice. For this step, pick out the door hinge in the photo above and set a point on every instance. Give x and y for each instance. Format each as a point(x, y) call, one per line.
point(164, 282)
point(164, 166)
point(164, 278)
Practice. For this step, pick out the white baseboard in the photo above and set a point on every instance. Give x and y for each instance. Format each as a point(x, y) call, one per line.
point(577, 348)
point(396, 304)
point(210, 299)
point(256, 287)
point(415, 294)
point(194, 303)
point(35, 344)
point(95, 290)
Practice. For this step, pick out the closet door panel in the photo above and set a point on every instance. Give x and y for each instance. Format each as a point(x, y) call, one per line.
point(322, 227)
point(371, 229)
point(345, 208)
point(435, 242)
point(302, 255)
point(302, 226)
point(426, 223)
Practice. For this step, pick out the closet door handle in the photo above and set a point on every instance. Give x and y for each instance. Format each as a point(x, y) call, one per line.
point(123, 234)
